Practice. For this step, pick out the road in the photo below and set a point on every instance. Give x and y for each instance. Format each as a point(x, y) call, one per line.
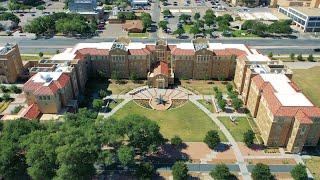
point(277, 46)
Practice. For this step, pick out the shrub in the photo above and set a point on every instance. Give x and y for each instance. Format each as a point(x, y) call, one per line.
point(220, 172)
point(179, 171)
point(248, 138)
point(261, 171)
point(6, 97)
point(212, 139)
point(145, 171)
point(299, 172)
point(229, 87)
point(16, 109)
point(97, 104)
point(102, 93)
point(299, 57)
point(15, 89)
point(310, 58)
point(176, 141)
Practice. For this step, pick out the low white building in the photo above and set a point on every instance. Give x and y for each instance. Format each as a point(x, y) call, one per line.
point(308, 19)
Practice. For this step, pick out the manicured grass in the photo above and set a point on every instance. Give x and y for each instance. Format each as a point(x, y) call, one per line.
point(207, 105)
point(187, 27)
point(138, 35)
point(242, 33)
point(111, 86)
point(309, 81)
point(204, 87)
point(188, 122)
point(313, 166)
point(236, 129)
point(30, 58)
point(122, 88)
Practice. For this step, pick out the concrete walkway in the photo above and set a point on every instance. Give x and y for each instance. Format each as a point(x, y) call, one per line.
point(114, 110)
point(240, 160)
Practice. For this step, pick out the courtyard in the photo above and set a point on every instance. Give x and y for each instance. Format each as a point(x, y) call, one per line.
point(188, 122)
point(236, 128)
point(202, 87)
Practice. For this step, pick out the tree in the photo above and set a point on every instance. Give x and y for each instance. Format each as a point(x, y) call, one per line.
point(121, 16)
point(3, 88)
point(222, 104)
point(248, 138)
point(125, 155)
point(102, 93)
point(299, 57)
point(270, 55)
point(179, 31)
point(196, 16)
point(261, 172)
point(166, 13)
point(184, 18)
point(179, 171)
point(40, 7)
point(9, 16)
point(97, 104)
point(212, 139)
point(142, 133)
point(280, 27)
point(176, 141)
point(58, 51)
point(12, 161)
point(115, 75)
point(41, 54)
point(6, 97)
point(299, 172)
point(229, 87)
point(15, 89)
point(146, 20)
point(236, 103)
point(209, 17)
point(220, 172)
point(292, 56)
point(163, 25)
point(310, 58)
point(195, 29)
point(145, 171)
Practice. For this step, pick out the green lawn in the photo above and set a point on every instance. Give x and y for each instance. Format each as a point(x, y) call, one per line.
point(207, 105)
point(309, 81)
point(188, 122)
point(187, 27)
point(236, 129)
point(313, 166)
point(138, 35)
point(204, 87)
point(242, 33)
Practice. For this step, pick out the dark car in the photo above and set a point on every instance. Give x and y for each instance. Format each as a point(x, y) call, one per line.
point(316, 50)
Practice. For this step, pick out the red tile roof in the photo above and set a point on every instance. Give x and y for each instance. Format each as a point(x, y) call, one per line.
point(275, 105)
point(51, 89)
point(31, 112)
point(151, 47)
point(229, 52)
point(162, 68)
point(303, 118)
point(143, 51)
point(186, 52)
point(93, 51)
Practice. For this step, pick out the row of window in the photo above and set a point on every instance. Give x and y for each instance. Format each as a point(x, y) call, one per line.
point(44, 98)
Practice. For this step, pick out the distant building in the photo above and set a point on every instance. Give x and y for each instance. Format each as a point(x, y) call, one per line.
point(87, 8)
point(295, 3)
point(10, 63)
point(133, 26)
point(7, 25)
point(308, 19)
point(139, 3)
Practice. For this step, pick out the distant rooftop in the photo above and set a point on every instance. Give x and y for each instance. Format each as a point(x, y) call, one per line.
point(307, 10)
point(6, 48)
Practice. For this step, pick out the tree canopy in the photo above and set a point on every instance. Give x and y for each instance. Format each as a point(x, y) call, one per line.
point(179, 171)
point(299, 172)
point(261, 171)
point(220, 172)
point(212, 139)
point(70, 148)
point(70, 24)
